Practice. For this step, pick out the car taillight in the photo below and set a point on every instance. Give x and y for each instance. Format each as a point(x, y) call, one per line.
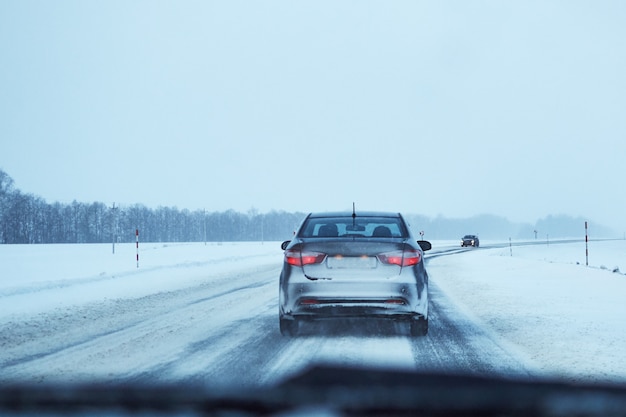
point(398, 301)
point(297, 258)
point(401, 258)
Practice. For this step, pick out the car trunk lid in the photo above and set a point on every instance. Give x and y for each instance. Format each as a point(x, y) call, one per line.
point(352, 259)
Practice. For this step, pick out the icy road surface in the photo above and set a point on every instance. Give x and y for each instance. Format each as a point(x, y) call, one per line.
point(208, 314)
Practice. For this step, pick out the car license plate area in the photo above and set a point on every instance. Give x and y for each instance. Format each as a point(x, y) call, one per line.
point(351, 262)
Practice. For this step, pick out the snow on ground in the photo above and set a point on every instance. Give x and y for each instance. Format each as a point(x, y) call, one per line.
point(102, 274)
point(565, 317)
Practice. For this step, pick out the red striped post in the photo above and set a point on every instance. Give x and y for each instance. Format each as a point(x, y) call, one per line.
point(137, 244)
point(586, 246)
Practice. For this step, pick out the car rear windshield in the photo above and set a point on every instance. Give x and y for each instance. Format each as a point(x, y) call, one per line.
point(376, 227)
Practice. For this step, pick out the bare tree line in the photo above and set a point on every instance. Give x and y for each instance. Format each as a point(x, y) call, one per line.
point(25, 218)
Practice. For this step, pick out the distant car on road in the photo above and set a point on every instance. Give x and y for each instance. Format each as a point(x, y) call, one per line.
point(347, 264)
point(470, 240)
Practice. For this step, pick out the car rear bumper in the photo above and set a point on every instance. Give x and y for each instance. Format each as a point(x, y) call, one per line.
point(329, 299)
point(348, 309)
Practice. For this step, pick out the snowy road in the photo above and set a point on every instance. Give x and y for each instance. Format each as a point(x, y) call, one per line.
point(208, 314)
point(223, 329)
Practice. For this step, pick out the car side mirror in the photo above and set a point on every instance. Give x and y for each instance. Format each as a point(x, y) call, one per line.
point(425, 245)
point(284, 245)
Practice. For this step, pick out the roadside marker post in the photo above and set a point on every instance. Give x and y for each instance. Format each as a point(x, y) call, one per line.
point(137, 244)
point(586, 245)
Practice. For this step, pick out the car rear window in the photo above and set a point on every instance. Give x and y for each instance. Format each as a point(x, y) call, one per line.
point(349, 227)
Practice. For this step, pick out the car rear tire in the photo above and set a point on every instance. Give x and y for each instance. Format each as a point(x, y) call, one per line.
point(288, 327)
point(419, 327)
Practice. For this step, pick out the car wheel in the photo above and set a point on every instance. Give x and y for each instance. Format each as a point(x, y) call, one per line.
point(288, 327)
point(419, 327)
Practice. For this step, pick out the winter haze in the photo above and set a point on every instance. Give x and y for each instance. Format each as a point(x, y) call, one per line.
point(441, 108)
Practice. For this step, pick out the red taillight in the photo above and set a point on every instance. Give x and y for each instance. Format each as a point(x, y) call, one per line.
point(297, 258)
point(401, 258)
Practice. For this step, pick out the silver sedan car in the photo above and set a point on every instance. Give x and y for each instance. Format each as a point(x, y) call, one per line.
point(348, 264)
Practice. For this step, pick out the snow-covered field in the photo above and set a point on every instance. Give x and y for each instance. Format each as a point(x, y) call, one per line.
point(567, 318)
point(541, 302)
point(102, 274)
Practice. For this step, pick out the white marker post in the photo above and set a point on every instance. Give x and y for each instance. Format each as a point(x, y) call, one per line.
point(137, 244)
point(113, 226)
point(586, 246)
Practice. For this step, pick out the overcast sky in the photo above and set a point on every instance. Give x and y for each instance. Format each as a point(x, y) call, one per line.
point(452, 108)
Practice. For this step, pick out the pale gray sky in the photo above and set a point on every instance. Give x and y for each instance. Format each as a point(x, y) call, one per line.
point(453, 108)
